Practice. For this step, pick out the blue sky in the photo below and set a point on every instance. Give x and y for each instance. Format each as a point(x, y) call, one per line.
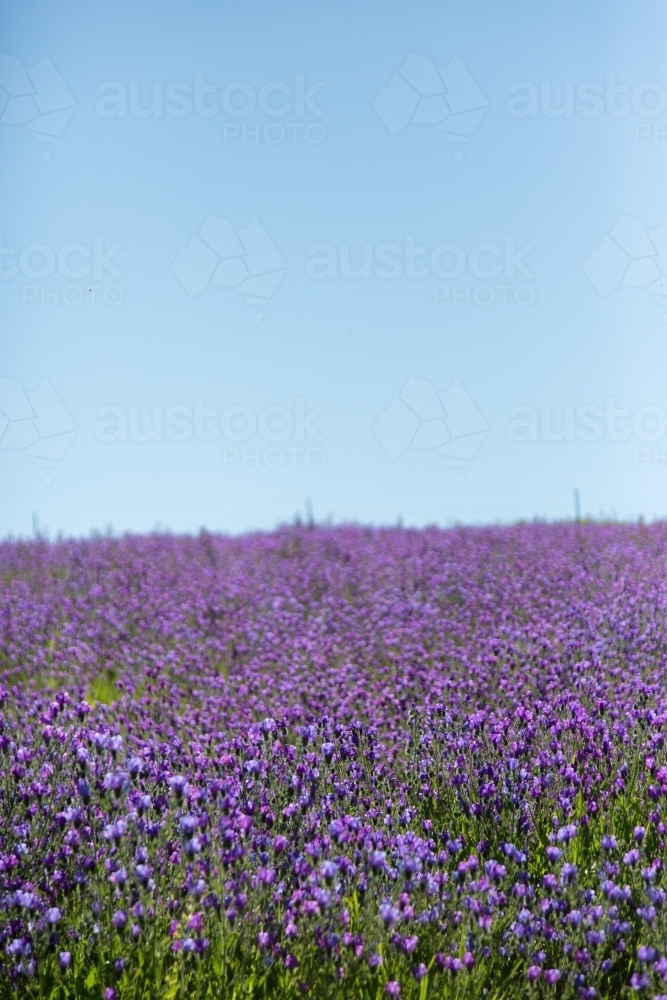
point(190, 190)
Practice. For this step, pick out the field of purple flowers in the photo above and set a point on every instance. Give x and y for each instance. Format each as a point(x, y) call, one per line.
point(335, 763)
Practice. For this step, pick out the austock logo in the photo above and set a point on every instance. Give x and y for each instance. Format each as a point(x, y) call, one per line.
point(423, 419)
point(218, 256)
point(421, 94)
point(630, 257)
point(37, 98)
point(36, 422)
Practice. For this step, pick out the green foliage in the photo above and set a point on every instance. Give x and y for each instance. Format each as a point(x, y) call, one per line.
point(103, 689)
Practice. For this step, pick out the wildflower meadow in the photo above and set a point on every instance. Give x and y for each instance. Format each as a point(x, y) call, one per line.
point(335, 762)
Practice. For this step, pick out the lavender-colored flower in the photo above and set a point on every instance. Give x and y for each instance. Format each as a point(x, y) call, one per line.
point(28, 901)
point(135, 766)
point(178, 785)
point(144, 804)
point(389, 915)
point(119, 877)
point(15, 948)
point(329, 870)
point(495, 871)
point(196, 923)
point(115, 831)
point(568, 873)
point(193, 846)
point(143, 873)
point(377, 860)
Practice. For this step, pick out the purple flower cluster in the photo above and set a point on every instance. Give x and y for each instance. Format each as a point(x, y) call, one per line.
point(325, 756)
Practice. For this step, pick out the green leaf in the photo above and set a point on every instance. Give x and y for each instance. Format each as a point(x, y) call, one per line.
point(171, 986)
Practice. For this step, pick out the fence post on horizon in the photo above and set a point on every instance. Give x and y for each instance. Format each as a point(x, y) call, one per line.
point(577, 507)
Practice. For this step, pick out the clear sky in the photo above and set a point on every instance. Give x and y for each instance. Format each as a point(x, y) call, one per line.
point(365, 261)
